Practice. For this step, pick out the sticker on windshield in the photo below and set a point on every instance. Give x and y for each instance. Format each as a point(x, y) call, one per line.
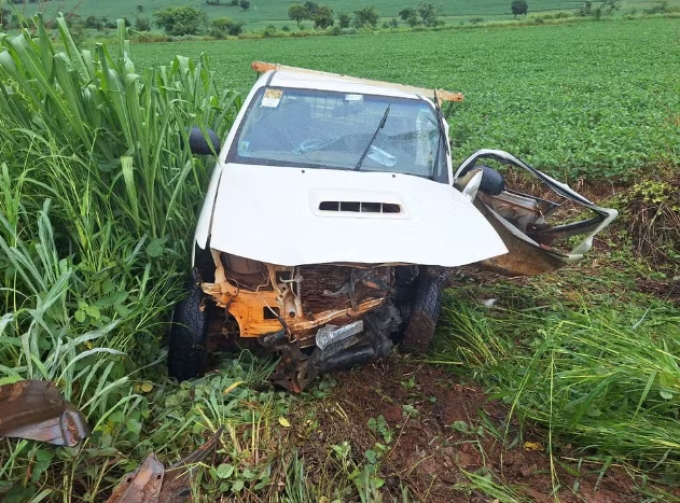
point(271, 98)
point(354, 97)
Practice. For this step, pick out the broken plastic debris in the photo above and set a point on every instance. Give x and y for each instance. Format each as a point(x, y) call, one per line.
point(35, 410)
point(489, 302)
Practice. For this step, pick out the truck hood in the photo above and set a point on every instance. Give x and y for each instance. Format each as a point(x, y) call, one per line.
point(293, 216)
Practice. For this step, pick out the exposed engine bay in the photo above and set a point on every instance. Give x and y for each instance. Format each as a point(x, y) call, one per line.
point(295, 309)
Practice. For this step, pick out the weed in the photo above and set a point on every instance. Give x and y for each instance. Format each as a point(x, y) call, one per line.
point(604, 379)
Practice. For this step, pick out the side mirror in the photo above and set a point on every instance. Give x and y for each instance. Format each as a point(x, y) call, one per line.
point(493, 182)
point(199, 144)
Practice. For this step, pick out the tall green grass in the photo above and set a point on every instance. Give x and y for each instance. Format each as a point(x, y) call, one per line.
point(605, 378)
point(97, 209)
point(103, 141)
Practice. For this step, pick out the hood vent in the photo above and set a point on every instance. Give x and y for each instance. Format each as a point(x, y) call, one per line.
point(359, 207)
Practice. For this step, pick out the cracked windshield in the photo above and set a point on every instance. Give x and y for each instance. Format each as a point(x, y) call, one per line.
point(301, 127)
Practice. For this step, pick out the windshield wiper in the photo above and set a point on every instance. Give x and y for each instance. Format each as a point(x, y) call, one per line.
point(368, 147)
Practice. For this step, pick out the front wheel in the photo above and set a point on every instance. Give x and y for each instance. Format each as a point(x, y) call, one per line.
point(187, 343)
point(423, 315)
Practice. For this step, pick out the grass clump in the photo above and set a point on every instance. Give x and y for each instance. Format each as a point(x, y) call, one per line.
point(651, 210)
point(97, 204)
point(606, 379)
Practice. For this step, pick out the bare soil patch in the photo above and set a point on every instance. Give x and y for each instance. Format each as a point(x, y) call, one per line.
point(442, 429)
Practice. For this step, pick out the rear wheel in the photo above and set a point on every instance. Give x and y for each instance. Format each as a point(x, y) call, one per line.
point(421, 317)
point(187, 343)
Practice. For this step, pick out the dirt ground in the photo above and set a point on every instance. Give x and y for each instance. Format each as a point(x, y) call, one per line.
point(444, 432)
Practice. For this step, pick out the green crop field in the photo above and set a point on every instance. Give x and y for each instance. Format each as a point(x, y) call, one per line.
point(563, 387)
point(264, 12)
point(593, 99)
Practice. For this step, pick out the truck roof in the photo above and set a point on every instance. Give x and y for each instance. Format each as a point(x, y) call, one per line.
point(288, 76)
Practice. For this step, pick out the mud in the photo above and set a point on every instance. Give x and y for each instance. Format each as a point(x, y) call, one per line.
point(442, 429)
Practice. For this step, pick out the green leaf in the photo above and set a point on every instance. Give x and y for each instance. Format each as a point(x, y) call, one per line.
point(133, 426)
point(80, 316)
point(122, 310)
point(372, 424)
point(103, 303)
point(156, 247)
point(119, 297)
point(371, 456)
point(238, 485)
point(43, 459)
point(108, 286)
point(117, 416)
point(224, 471)
point(93, 312)
point(461, 426)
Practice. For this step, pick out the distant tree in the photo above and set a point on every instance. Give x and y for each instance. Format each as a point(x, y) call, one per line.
point(606, 8)
point(297, 12)
point(269, 31)
point(5, 18)
point(311, 7)
point(409, 16)
point(77, 28)
point(344, 20)
point(140, 9)
point(323, 17)
point(92, 23)
point(234, 3)
point(429, 13)
point(142, 24)
point(127, 22)
point(366, 17)
point(394, 22)
point(223, 26)
point(245, 4)
point(519, 7)
point(184, 20)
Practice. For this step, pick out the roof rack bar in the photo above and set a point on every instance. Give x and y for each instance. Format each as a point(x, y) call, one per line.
point(433, 94)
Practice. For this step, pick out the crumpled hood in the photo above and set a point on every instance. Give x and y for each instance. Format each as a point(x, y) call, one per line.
point(275, 215)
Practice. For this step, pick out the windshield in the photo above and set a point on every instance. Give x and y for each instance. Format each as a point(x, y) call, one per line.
point(324, 129)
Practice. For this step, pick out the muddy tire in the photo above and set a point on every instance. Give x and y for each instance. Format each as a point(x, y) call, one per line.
point(423, 314)
point(187, 342)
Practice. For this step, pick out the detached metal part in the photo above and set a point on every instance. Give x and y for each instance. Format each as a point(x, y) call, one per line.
point(177, 483)
point(520, 220)
point(328, 334)
point(35, 410)
point(152, 483)
point(141, 486)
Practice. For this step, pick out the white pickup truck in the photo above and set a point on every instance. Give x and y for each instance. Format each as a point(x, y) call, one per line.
point(332, 215)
